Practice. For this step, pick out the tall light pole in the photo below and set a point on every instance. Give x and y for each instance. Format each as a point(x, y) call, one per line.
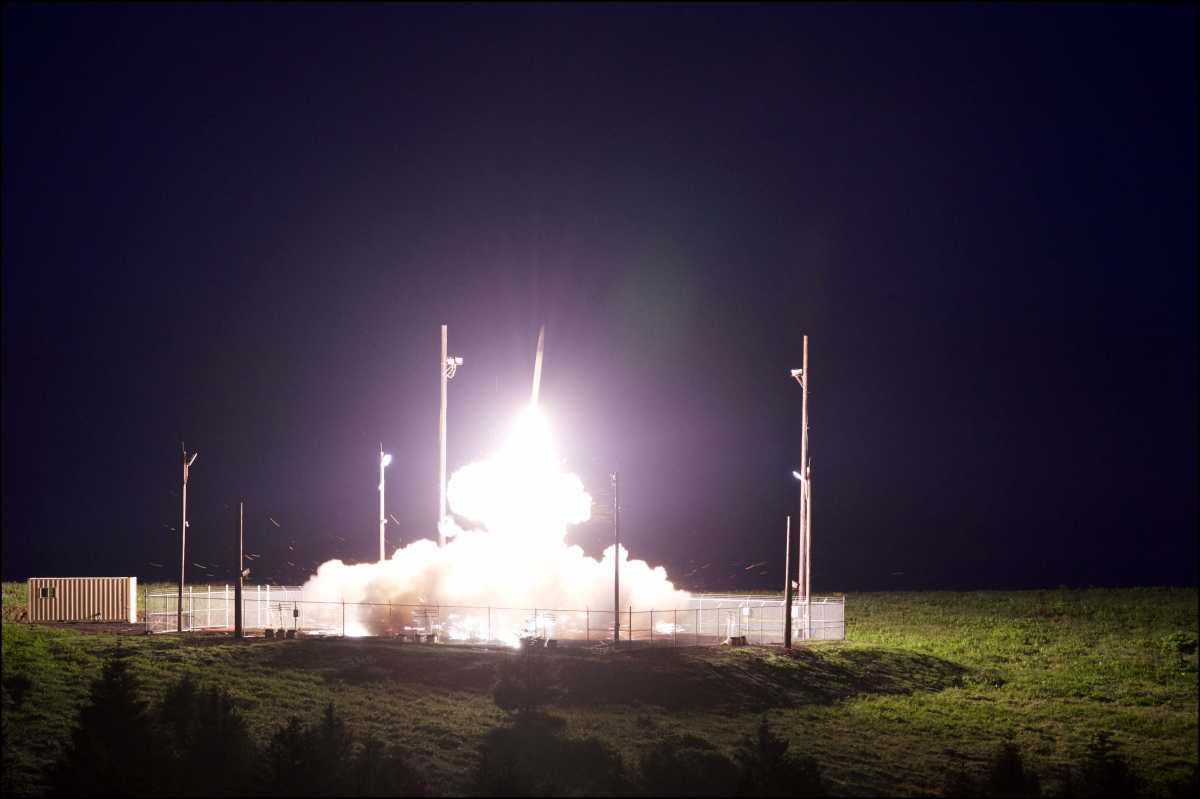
point(187, 462)
point(448, 365)
point(384, 460)
point(805, 517)
point(616, 561)
point(238, 631)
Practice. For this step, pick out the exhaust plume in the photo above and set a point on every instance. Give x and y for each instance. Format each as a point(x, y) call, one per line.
point(522, 502)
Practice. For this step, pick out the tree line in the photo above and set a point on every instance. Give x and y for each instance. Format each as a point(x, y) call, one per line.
point(195, 742)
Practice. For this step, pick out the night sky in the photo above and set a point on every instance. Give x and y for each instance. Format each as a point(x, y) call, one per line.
point(241, 226)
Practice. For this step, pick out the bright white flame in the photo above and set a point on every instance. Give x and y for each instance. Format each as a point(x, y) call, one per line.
point(355, 629)
point(521, 493)
point(667, 628)
point(519, 559)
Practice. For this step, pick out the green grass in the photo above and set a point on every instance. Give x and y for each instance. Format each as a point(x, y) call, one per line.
point(924, 682)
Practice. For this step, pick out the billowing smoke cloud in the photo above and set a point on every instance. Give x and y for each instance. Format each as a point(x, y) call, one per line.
point(517, 558)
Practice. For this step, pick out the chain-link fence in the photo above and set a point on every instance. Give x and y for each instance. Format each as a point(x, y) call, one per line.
point(209, 608)
point(707, 619)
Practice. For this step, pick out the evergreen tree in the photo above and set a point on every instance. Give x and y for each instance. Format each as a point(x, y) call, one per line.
point(1008, 777)
point(767, 770)
point(211, 747)
point(1105, 772)
point(381, 771)
point(310, 761)
point(290, 768)
point(687, 766)
point(113, 749)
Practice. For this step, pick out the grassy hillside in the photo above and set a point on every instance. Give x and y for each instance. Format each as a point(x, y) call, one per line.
point(925, 682)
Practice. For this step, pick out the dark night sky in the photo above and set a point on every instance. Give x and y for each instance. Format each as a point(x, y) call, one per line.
point(242, 226)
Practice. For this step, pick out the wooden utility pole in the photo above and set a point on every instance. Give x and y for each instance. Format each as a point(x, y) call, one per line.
point(787, 586)
point(187, 462)
point(804, 490)
point(616, 561)
point(442, 376)
point(238, 631)
point(807, 488)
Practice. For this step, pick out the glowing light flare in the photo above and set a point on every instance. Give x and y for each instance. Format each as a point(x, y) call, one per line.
point(523, 500)
point(356, 629)
point(522, 491)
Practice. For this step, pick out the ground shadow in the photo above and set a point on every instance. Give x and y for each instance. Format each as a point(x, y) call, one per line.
point(754, 678)
point(750, 678)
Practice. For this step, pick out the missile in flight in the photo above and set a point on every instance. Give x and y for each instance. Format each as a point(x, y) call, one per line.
point(537, 363)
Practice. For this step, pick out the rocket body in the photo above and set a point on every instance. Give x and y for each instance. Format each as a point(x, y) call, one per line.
point(537, 364)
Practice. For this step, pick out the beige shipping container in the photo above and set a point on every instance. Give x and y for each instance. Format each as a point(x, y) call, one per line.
point(83, 599)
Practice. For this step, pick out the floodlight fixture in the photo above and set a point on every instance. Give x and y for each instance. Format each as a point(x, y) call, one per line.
point(386, 459)
point(797, 475)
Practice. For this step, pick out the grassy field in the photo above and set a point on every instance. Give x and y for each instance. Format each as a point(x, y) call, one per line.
point(924, 683)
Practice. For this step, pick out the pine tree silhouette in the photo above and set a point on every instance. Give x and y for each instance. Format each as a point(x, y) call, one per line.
point(113, 749)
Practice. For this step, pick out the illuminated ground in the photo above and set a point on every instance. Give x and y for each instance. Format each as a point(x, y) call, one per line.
point(925, 681)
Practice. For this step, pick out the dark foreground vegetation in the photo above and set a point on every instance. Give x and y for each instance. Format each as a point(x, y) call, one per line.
point(1053, 693)
point(196, 743)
